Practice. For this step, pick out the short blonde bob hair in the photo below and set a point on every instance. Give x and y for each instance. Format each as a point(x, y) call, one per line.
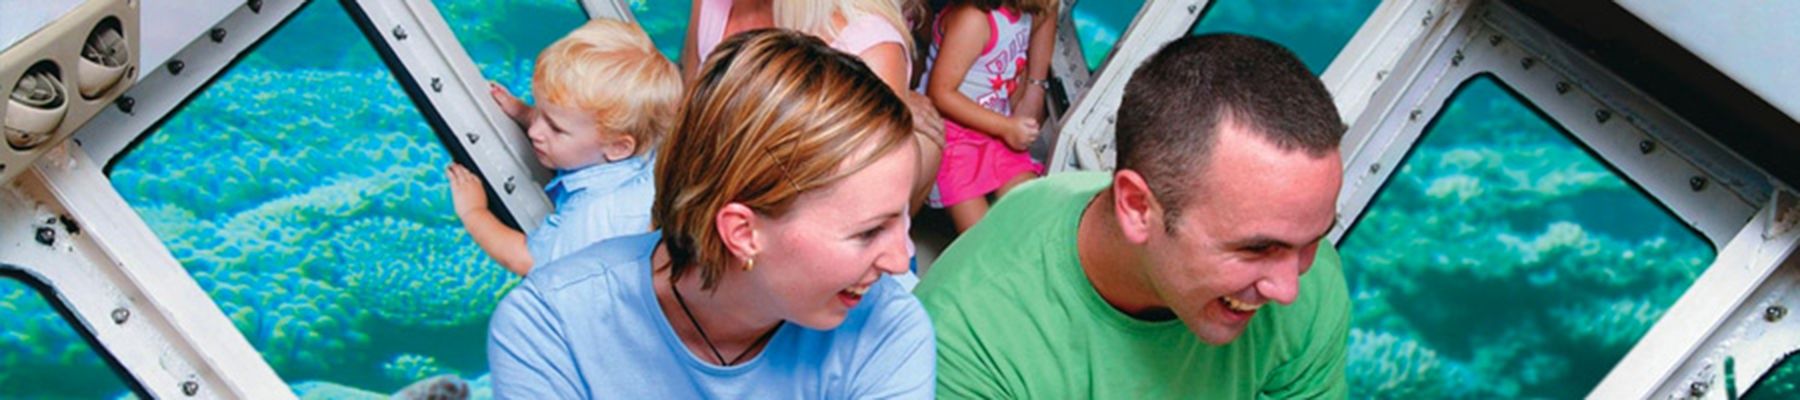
point(610, 70)
point(773, 114)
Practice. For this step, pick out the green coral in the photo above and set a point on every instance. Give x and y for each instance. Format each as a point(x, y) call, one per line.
point(1384, 366)
point(301, 326)
point(306, 195)
point(408, 368)
point(1501, 245)
point(416, 275)
point(40, 349)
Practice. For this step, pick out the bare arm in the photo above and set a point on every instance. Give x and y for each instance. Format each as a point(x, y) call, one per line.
point(889, 60)
point(966, 32)
point(499, 241)
point(690, 57)
point(1037, 68)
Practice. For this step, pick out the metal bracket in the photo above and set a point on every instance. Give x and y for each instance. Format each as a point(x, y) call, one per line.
point(122, 286)
point(440, 75)
point(1085, 140)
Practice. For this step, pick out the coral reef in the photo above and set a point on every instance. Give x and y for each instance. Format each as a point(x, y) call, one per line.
point(306, 196)
point(410, 367)
point(1384, 366)
point(430, 276)
point(1502, 247)
point(300, 325)
point(39, 349)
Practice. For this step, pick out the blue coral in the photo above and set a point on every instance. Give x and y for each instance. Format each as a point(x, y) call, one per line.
point(40, 349)
point(416, 275)
point(302, 326)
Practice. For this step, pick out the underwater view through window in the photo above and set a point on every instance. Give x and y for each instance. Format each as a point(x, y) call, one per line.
point(305, 193)
point(505, 36)
point(1781, 382)
point(42, 356)
point(1504, 261)
point(1314, 29)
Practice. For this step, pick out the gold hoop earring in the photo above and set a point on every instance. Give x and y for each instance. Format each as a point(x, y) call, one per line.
point(749, 263)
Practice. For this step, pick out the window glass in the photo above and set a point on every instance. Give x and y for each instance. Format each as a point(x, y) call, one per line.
point(1098, 23)
point(306, 195)
point(504, 37)
point(1502, 260)
point(666, 22)
point(41, 354)
point(1314, 29)
point(1781, 382)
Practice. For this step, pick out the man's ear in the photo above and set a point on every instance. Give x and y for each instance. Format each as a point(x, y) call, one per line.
point(619, 147)
point(1135, 206)
point(736, 223)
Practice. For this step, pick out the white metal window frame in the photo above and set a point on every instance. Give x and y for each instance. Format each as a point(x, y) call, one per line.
point(1599, 110)
point(1084, 140)
point(432, 62)
point(1708, 187)
point(613, 9)
point(124, 287)
point(166, 85)
point(121, 282)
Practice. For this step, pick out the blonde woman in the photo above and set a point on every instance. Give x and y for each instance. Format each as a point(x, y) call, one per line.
point(780, 214)
point(874, 30)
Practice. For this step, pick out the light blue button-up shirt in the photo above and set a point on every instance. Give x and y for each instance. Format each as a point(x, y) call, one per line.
point(589, 326)
point(592, 204)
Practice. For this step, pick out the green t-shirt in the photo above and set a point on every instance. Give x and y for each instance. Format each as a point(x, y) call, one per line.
point(1016, 318)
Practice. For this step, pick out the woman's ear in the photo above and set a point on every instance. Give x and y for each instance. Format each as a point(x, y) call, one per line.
point(619, 147)
point(1135, 206)
point(737, 230)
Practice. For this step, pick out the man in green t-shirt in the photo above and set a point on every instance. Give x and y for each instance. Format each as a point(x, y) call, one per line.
point(1197, 270)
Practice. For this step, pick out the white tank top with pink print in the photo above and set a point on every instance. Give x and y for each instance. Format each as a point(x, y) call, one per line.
point(992, 79)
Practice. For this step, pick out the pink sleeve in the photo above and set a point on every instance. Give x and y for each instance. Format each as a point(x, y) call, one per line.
point(711, 28)
point(867, 31)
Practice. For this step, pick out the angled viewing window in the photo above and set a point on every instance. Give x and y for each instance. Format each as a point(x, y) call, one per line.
point(306, 195)
point(1314, 29)
point(1503, 260)
point(504, 37)
point(41, 354)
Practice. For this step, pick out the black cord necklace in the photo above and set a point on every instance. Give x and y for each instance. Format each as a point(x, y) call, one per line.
point(709, 344)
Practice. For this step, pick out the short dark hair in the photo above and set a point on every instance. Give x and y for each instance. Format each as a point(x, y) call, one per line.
point(1174, 104)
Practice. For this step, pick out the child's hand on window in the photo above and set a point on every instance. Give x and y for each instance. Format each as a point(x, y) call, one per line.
point(467, 192)
point(1024, 131)
point(511, 105)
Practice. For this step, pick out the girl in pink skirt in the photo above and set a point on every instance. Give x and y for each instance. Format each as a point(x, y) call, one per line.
point(989, 62)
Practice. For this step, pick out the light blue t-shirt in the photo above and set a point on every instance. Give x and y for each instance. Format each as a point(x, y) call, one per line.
point(588, 326)
point(592, 204)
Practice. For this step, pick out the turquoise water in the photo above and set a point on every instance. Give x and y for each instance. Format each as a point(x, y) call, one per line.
point(41, 355)
point(1782, 382)
point(1503, 261)
point(305, 194)
point(1314, 29)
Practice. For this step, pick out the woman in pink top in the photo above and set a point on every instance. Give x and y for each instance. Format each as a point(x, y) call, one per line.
point(873, 30)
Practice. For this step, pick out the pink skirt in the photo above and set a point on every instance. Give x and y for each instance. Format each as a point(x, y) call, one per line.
point(976, 164)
